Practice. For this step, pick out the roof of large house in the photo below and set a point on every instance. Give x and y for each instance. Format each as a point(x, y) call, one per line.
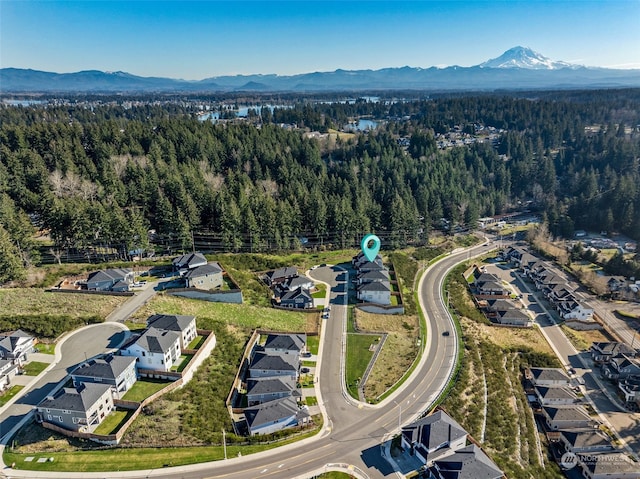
point(375, 286)
point(296, 282)
point(490, 285)
point(361, 258)
point(555, 393)
point(370, 266)
point(203, 270)
point(189, 260)
point(567, 413)
point(612, 348)
point(373, 275)
point(482, 277)
point(470, 462)
point(170, 322)
point(514, 314)
point(293, 294)
point(9, 341)
point(548, 374)
point(434, 430)
point(271, 411)
point(500, 304)
point(275, 362)
point(155, 340)
point(270, 385)
point(109, 367)
point(289, 342)
point(286, 272)
point(113, 274)
point(585, 438)
point(76, 399)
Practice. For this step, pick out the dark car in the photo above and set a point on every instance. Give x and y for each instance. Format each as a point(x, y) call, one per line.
point(304, 370)
point(446, 333)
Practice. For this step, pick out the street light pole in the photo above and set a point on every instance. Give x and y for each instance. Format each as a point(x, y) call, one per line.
point(224, 442)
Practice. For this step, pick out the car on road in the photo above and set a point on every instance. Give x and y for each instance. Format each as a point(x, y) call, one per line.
point(446, 333)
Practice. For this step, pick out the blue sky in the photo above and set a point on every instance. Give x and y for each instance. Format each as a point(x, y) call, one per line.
point(200, 39)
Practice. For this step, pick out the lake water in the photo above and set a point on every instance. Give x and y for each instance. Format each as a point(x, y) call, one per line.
point(362, 125)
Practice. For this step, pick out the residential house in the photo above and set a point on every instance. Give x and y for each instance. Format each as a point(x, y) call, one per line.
point(154, 349)
point(514, 317)
point(360, 259)
point(375, 292)
point(556, 293)
point(490, 285)
point(184, 325)
point(299, 298)
point(432, 436)
point(119, 372)
point(273, 416)
point(621, 367)
point(555, 396)
point(609, 465)
point(207, 277)
point(261, 390)
point(274, 364)
point(115, 279)
point(285, 343)
point(188, 261)
point(468, 462)
point(566, 417)
point(603, 352)
point(8, 369)
point(280, 275)
point(16, 346)
point(571, 309)
point(585, 441)
point(296, 282)
point(630, 388)
point(548, 377)
point(616, 283)
point(82, 408)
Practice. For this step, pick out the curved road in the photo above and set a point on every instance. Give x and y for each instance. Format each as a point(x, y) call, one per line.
point(354, 431)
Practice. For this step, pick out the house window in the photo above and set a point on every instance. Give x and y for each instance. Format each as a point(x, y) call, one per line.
point(143, 353)
point(49, 416)
point(59, 418)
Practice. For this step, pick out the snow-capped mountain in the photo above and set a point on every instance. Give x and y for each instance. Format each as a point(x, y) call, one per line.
point(523, 57)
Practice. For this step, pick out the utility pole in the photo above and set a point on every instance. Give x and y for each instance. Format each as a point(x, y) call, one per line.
point(224, 443)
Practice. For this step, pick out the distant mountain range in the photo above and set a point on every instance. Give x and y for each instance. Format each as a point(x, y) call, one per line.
point(517, 69)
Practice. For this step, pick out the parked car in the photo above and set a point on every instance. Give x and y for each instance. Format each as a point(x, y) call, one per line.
point(304, 370)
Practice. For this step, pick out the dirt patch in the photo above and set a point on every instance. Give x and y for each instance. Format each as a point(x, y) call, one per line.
point(509, 338)
point(390, 323)
point(394, 360)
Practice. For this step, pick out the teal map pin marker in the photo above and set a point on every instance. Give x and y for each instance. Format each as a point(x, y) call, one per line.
point(370, 252)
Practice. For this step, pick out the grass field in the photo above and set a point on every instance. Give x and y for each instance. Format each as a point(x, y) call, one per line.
point(582, 340)
point(6, 396)
point(358, 357)
point(19, 301)
point(46, 348)
point(241, 315)
point(196, 343)
point(113, 421)
point(33, 368)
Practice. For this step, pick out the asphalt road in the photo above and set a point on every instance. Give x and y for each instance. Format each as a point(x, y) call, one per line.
point(354, 431)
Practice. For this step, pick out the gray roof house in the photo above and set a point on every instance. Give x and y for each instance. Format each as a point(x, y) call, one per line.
point(375, 292)
point(433, 435)
point(567, 417)
point(261, 390)
point(280, 275)
point(208, 276)
point(154, 349)
point(555, 396)
point(16, 345)
point(621, 367)
point(299, 298)
point(8, 369)
point(182, 324)
point(381, 275)
point(469, 462)
point(359, 259)
point(513, 317)
point(82, 408)
point(630, 388)
point(553, 377)
point(296, 282)
point(107, 279)
point(274, 364)
point(602, 352)
point(285, 343)
point(274, 416)
point(585, 441)
point(188, 261)
point(119, 372)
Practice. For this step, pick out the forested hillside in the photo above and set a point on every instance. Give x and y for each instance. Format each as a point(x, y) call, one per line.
point(106, 175)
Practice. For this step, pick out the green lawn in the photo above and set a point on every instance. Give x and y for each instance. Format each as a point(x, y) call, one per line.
point(311, 401)
point(358, 357)
point(34, 368)
point(6, 396)
point(135, 325)
point(136, 459)
point(143, 388)
point(182, 362)
point(46, 348)
point(313, 343)
point(196, 343)
point(113, 421)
